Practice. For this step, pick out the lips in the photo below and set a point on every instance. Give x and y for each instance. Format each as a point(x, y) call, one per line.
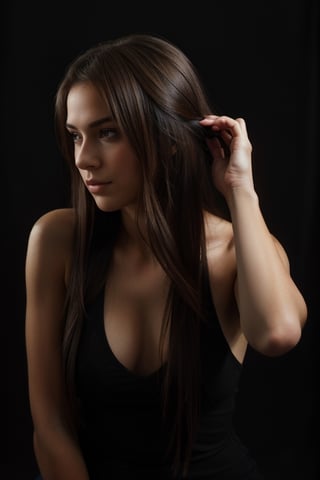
point(96, 182)
point(95, 186)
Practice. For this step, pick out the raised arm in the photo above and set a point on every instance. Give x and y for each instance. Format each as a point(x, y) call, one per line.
point(56, 449)
point(271, 307)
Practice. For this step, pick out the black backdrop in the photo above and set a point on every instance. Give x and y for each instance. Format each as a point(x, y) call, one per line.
point(259, 60)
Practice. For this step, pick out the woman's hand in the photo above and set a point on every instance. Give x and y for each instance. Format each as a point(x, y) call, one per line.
point(231, 151)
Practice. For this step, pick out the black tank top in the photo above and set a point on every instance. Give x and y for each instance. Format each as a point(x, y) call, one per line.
point(122, 434)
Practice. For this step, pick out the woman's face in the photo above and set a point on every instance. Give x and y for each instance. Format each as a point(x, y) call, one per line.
point(106, 162)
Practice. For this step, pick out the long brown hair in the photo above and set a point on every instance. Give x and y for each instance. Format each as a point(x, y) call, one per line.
point(155, 95)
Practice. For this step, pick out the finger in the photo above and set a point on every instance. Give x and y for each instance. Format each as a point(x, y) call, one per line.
point(243, 125)
point(224, 123)
point(226, 136)
point(218, 148)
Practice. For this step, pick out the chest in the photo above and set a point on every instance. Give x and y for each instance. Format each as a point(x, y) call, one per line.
point(133, 312)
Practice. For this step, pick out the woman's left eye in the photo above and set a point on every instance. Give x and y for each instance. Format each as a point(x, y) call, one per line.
point(108, 133)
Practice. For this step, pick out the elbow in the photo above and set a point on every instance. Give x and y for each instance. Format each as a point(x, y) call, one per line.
point(277, 344)
point(279, 339)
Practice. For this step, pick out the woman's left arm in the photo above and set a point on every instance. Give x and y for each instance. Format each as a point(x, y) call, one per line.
point(271, 307)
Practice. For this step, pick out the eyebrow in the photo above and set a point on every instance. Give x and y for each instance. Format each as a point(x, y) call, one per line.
point(96, 123)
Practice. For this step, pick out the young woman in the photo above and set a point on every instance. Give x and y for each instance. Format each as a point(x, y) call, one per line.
point(143, 296)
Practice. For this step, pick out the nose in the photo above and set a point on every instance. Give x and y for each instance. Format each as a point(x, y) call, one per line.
point(86, 155)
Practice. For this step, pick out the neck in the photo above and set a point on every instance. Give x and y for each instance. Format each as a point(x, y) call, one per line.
point(133, 234)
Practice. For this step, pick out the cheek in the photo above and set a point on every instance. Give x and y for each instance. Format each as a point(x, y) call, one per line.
point(135, 175)
point(131, 168)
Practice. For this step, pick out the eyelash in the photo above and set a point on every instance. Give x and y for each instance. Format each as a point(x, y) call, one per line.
point(104, 132)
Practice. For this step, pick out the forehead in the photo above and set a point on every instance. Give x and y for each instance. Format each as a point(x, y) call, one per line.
point(85, 104)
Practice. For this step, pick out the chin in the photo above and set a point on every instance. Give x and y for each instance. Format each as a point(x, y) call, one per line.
point(111, 205)
point(107, 208)
point(106, 205)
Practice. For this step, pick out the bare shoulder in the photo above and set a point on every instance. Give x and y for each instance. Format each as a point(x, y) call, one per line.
point(220, 244)
point(55, 223)
point(54, 229)
point(50, 241)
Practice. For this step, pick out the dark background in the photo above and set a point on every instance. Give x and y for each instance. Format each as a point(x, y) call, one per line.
point(259, 60)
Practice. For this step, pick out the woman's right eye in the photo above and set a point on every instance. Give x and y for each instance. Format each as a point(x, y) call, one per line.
point(74, 136)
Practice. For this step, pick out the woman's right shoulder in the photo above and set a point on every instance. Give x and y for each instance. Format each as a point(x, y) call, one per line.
point(55, 223)
point(53, 232)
